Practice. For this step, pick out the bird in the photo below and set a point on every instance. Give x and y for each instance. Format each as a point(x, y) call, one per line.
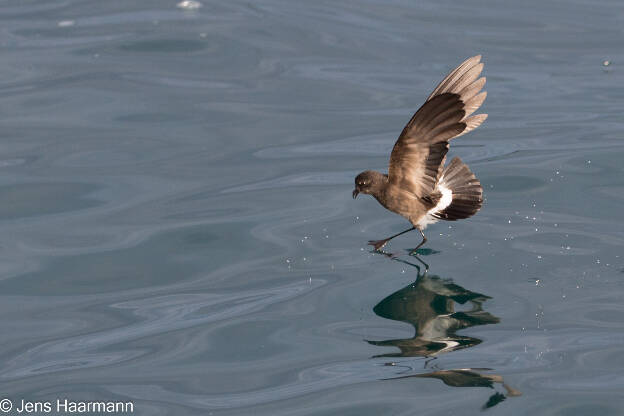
point(418, 186)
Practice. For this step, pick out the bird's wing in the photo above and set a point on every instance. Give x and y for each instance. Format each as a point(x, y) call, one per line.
point(418, 155)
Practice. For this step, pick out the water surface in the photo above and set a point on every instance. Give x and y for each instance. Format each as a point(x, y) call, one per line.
point(177, 228)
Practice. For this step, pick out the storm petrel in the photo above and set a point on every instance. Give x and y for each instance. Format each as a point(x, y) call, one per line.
point(418, 186)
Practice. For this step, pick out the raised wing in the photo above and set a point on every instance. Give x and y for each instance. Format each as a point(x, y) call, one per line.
point(418, 155)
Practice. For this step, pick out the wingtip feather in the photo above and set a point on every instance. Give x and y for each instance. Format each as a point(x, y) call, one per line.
point(473, 104)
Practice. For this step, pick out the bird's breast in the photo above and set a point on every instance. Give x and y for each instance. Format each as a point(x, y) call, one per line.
point(401, 202)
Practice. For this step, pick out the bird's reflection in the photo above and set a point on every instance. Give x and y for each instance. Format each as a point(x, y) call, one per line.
point(429, 305)
point(472, 377)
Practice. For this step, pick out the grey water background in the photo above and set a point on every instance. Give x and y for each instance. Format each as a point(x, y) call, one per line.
point(176, 221)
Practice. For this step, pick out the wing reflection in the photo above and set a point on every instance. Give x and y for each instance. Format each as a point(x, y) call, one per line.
point(471, 377)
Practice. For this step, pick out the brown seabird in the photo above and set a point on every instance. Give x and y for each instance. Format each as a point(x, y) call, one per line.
point(417, 185)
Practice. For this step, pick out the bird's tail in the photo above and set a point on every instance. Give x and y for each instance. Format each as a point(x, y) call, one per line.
point(467, 196)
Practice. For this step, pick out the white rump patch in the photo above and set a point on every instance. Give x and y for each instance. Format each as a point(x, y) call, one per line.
point(445, 201)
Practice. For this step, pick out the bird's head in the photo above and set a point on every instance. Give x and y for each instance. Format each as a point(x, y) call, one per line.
point(368, 182)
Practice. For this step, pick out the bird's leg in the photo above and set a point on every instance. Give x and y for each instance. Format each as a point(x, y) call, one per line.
point(424, 240)
point(380, 243)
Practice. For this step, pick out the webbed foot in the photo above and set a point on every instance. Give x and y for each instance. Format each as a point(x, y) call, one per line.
point(377, 244)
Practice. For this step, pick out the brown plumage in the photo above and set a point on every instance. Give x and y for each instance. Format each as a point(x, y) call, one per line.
point(417, 185)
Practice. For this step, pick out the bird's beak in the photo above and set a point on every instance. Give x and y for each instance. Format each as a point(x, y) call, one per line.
point(355, 193)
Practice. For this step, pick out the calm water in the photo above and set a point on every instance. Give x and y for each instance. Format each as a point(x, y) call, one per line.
point(177, 228)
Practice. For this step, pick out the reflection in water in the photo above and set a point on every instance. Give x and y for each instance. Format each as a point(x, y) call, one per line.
point(470, 377)
point(428, 305)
